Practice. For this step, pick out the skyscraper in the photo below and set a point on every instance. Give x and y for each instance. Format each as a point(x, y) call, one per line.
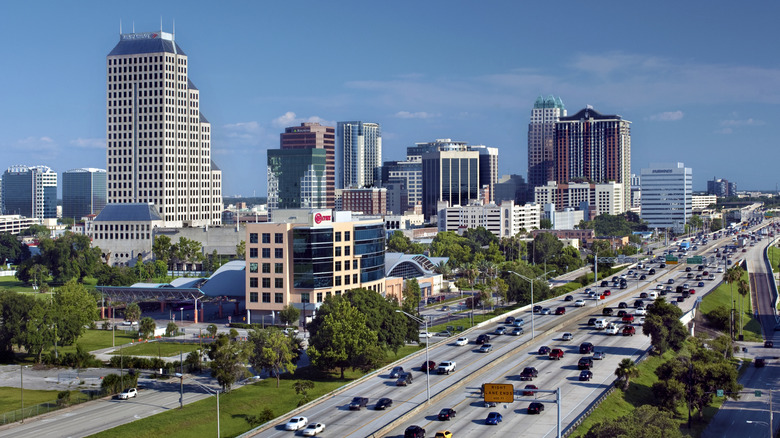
point(315, 136)
point(83, 192)
point(667, 196)
point(488, 169)
point(595, 148)
point(451, 176)
point(358, 154)
point(296, 178)
point(158, 141)
point(30, 192)
point(541, 139)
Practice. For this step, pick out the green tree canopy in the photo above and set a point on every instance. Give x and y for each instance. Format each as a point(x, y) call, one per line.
point(74, 309)
point(663, 325)
point(272, 351)
point(227, 360)
point(146, 327)
point(290, 315)
point(644, 422)
point(132, 312)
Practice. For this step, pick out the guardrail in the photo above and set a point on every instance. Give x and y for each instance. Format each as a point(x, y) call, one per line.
point(773, 283)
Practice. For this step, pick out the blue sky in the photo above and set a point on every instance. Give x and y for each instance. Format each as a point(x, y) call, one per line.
point(699, 80)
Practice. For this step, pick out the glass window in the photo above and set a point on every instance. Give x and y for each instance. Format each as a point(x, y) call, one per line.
point(266, 297)
point(338, 251)
point(252, 237)
point(278, 298)
point(337, 266)
point(346, 279)
point(266, 253)
point(252, 297)
point(278, 283)
point(266, 268)
point(278, 268)
point(266, 237)
point(347, 235)
point(319, 297)
point(253, 267)
point(266, 282)
point(252, 281)
point(354, 278)
point(337, 236)
point(347, 250)
point(337, 280)
point(278, 238)
point(279, 253)
point(253, 253)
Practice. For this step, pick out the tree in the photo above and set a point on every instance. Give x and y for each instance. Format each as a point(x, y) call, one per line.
point(398, 242)
point(716, 224)
point(302, 388)
point(146, 327)
point(171, 329)
point(14, 313)
point(132, 312)
point(381, 317)
point(626, 371)
point(411, 304)
point(643, 422)
point(227, 360)
point(241, 250)
point(10, 248)
point(211, 329)
point(718, 318)
point(743, 287)
point(696, 222)
point(39, 231)
point(39, 329)
point(731, 276)
point(290, 315)
point(272, 351)
point(74, 309)
point(663, 325)
point(187, 250)
point(161, 248)
point(544, 246)
point(545, 224)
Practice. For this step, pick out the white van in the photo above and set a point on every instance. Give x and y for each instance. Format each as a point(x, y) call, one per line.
point(601, 324)
point(612, 329)
point(653, 295)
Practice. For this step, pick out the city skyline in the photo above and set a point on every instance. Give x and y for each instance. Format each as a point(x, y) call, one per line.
point(697, 84)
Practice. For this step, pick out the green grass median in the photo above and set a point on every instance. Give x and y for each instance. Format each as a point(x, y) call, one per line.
point(722, 297)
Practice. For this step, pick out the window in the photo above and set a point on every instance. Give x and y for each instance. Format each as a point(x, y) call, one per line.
point(346, 279)
point(278, 268)
point(266, 237)
point(266, 297)
point(278, 283)
point(252, 281)
point(266, 253)
point(266, 283)
point(338, 251)
point(347, 236)
point(337, 280)
point(253, 267)
point(253, 253)
point(337, 266)
point(279, 253)
point(319, 297)
point(337, 236)
point(266, 268)
point(354, 278)
point(278, 298)
point(347, 250)
point(278, 238)
point(252, 237)
point(252, 297)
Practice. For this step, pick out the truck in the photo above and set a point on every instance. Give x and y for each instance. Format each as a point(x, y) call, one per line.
point(446, 367)
point(685, 245)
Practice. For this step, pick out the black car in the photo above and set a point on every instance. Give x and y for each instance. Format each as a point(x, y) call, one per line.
point(622, 305)
point(529, 373)
point(688, 269)
point(585, 375)
point(622, 313)
point(586, 348)
point(639, 303)
point(643, 295)
point(404, 380)
point(769, 344)
point(537, 309)
point(592, 321)
point(383, 403)
point(568, 298)
point(545, 350)
point(535, 408)
point(509, 320)
point(662, 265)
point(643, 277)
point(481, 339)
point(585, 363)
point(446, 414)
point(396, 372)
point(357, 403)
point(607, 311)
point(414, 432)
point(604, 284)
point(680, 299)
point(651, 271)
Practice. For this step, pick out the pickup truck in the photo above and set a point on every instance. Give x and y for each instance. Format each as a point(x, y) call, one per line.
point(446, 367)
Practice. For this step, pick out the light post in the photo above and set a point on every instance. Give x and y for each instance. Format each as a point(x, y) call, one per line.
point(427, 368)
point(21, 381)
point(210, 391)
point(533, 333)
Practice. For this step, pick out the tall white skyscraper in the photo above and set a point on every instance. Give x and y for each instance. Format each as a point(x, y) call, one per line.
point(158, 141)
point(667, 196)
point(541, 139)
point(358, 154)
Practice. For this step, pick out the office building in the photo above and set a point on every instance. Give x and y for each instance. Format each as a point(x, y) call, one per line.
point(158, 140)
point(124, 232)
point(511, 188)
point(488, 169)
point(304, 256)
point(605, 198)
point(667, 192)
point(416, 152)
point(297, 178)
point(702, 202)
point(541, 139)
point(409, 175)
point(315, 136)
point(567, 219)
point(358, 154)
point(15, 224)
point(590, 146)
point(368, 200)
point(450, 176)
point(721, 187)
point(83, 192)
point(30, 192)
point(505, 220)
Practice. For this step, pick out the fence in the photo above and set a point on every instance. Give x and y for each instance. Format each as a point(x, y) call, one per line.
point(46, 407)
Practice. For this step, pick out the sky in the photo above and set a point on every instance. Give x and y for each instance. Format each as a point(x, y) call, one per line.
point(700, 81)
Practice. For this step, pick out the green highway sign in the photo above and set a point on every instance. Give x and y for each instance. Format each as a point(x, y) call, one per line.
point(671, 258)
point(695, 260)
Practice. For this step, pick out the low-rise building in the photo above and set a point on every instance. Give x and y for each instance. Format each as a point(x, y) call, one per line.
point(602, 198)
point(503, 220)
point(125, 232)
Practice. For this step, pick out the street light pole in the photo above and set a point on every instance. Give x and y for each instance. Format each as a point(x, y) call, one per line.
point(21, 381)
point(427, 368)
point(533, 332)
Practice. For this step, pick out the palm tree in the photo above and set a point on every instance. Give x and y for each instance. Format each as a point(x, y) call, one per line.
point(743, 287)
point(625, 371)
point(731, 276)
point(444, 269)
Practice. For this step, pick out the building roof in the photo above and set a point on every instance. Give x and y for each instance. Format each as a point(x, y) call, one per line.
point(190, 85)
point(420, 263)
point(128, 213)
point(550, 102)
point(146, 45)
point(590, 113)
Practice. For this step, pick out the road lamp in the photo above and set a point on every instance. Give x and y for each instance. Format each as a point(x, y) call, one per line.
point(533, 333)
point(215, 392)
point(427, 368)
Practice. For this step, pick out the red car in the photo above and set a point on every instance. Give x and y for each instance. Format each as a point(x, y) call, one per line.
point(607, 292)
point(556, 354)
point(430, 365)
point(628, 318)
point(629, 330)
point(560, 311)
point(529, 387)
point(691, 291)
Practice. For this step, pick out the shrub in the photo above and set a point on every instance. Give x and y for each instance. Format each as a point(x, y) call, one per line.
point(718, 318)
point(63, 398)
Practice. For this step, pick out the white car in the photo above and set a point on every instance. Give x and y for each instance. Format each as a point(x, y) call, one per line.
point(425, 335)
point(579, 303)
point(641, 321)
point(296, 423)
point(567, 336)
point(640, 311)
point(720, 270)
point(462, 341)
point(128, 393)
point(313, 429)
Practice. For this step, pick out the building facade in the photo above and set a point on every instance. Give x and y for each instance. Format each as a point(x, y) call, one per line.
point(315, 136)
point(358, 154)
point(541, 139)
point(449, 176)
point(125, 232)
point(297, 178)
point(593, 147)
point(409, 175)
point(721, 187)
point(667, 192)
point(702, 202)
point(606, 198)
point(567, 219)
point(505, 220)
point(30, 192)
point(83, 192)
point(370, 201)
point(511, 188)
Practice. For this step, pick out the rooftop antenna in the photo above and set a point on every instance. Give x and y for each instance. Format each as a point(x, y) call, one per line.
point(120, 26)
point(161, 28)
point(133, 26)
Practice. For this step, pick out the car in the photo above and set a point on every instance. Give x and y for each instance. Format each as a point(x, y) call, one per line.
point(313, 429)
point(579, 303)
point(705, 273)
point(720, 270)
point(404, 379)
point(537, 309)
point(629, 330)
point(643, 295)
point(545, 311)
point(567, 336)
point(535, 408)
point(607, 311)
point(744, 250)
point(662, 265)
point(527, 387)
point(639, 303)
point(612, 329)
point(691, 291)
point(447, 414)
point(556, 354)
point(568, 298)
point(560, 311)
point(544, 350)
point(517, 331)
point(493, 418)
point(396, 372)
point(622, 313)
point(490, 404)
point(529, 373)
point(670, 281)
point(586, 347)
point(700, 284)
point(641, 311)
point(383, 403)
point(641, 321)
point(414, 431)
point(462, 341)
point(130, 323)
point(591, 294)
point(599, 355)
point(481, 339)
point(592, 321)
point(680, 299)
point(687, 269)
point(444, 333)
point(445, 308)
point(486, 348)
point(509, 320)
point(760, 362)
point(607, 293)
point(604, 284)
point(642, 277)
point(357, 403)
point(128, 393)
point(585, 375)
point(652, 270)
point(446, 367)
point(296, 423)
point(585, 363)
point(628, 318)
point(430, 365)
point(769, 344)
point(500, 331)
point(443, 434)
point(426, 335)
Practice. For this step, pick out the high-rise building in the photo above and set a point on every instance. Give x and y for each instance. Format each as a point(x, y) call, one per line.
point(511, 188)
point(297, 178)
point(158, 141)
point(667, 196)
point(315, 136)
point(30, 192)
point(504, 220)
point(541, 140)
point(449, 176)
point(488, 169)
point(604, 198)
point(358, 154)
point(409, 175)
point(721, 187)
point(593, 147)
point(83, 192)
point(367, 200)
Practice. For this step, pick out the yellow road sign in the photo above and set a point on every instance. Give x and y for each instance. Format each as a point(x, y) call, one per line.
point(499, 392)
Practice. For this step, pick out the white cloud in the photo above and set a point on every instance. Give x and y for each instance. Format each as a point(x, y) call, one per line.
point(668, 116)
point(417, 115)
point(745, 122)
point(89, 143)
point(37, 144)
point(291, 119)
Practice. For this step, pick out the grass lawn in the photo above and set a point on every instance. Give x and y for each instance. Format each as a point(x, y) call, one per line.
point(155, 349)
point(11, 283)
point(722, 297)
point(10, 398)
